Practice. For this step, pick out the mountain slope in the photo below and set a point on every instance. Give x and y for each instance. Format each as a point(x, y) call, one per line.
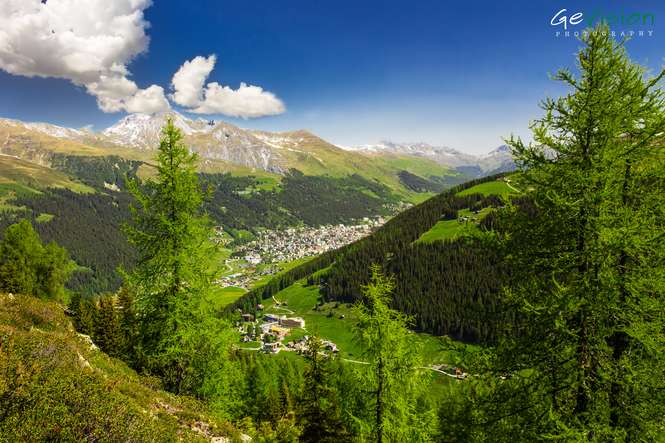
point(448, 283)
point(498, 160)
point(56, 386)
point(18, 174)
point(222, 148)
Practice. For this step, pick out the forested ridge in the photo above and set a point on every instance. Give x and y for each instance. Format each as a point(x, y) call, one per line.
point(450, 287)
point(89, 225)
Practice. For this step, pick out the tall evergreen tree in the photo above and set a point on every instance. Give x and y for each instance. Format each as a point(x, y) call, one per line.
point(180, 339)
point(128, 324)
point(29, 267)
point(319, 409)
point(86, 317)
point(585, 359)
point(107, 332)
point(393, 374)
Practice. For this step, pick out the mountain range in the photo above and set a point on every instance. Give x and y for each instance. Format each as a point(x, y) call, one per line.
point(218, 142)
point(495, 161)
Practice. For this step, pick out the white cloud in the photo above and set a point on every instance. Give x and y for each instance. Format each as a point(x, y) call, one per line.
point(188, 81)
point(247, 101)
point(89, 42)
point(148, 101)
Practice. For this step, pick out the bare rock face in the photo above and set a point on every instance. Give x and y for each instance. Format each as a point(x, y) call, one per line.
point(211, 140)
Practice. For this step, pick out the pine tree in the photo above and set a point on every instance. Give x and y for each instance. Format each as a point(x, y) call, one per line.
point(393, 374)
point(27, 267)
point(180, 338)
point(319, 409)
point(585, 359)
point(128, 324)
point(86, 318)
point(107, 333)
point(20, 252)
point(53, 271)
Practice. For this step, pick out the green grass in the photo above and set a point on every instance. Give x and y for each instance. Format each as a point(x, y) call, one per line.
point(302, 299)
point(225, 296)
point(296, 334)
point(10, 191)
point(265, 184)
point(451, 229)
point(241, 234)
point(44, 218)
point(419, 166)
point(445, 230)
point(490, 188)
point(33, 176)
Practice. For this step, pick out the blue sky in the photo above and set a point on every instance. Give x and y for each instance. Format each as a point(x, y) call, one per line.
point(462, 74)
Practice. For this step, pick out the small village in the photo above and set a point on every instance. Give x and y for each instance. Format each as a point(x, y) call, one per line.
point(261, 257)
point(269, 332)
point(295, 243)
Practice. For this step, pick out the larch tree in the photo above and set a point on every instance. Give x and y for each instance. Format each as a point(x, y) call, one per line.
point(584, 359)
point(180, 338)
point(319, 407)
point(393, 378)
point(29, 267)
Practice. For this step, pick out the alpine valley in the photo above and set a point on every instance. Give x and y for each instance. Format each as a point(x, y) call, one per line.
point(178, 278)
point(71, 183)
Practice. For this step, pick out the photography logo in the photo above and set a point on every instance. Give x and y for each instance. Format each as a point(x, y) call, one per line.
point(634, 24)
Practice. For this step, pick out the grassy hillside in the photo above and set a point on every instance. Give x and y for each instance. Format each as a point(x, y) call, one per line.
point(496, 187)
point(315, 156)
point(25, 174)
point(335, 321)
point(56, 386)
point(466, 221)
point(445, 279)
point(312, 156)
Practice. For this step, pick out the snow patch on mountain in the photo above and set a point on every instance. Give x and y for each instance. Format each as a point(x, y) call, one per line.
point(497, 159)
point(143, 131)
point(48, 129)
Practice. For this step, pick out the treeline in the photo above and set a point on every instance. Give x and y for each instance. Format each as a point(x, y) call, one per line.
point(319, 200)
point(313, 200)
point(449, 287)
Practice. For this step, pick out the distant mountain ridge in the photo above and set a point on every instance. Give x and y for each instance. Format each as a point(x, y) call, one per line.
point(224, 147)
point(496, 161)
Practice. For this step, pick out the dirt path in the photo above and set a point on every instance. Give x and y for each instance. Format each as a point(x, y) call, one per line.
point(513, 187)
point(280, 308)
point(421, 367)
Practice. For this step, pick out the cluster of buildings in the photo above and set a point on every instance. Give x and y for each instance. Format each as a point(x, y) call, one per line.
point(295, 243)
point(271, 331)
point(261, 257)
point(301, 345)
